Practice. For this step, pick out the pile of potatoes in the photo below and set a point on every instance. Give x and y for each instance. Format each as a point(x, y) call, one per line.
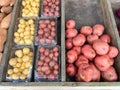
point(25, 33)
point(6, 7)
point(20, 65)
point(30, 8)
point(90, 56)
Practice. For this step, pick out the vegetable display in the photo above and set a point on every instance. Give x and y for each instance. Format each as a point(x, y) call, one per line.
point(89, 55)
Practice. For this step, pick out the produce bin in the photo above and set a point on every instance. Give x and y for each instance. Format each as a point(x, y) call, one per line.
point(84, 12)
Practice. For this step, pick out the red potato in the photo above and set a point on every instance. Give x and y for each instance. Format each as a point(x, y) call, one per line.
point(92, 38)
point(79, 40)
point(56, 66)
point(109, 75)
point(47, 72)
point(55, 72)
point(42, 57)
point(47, 59)
point(111, 61)
point(68, 43)
point(53, 23)
point(70, 24)
point(106, 38)
point(71, 70)
point(48, 41)
point(56, 54)
point(113, 52)
point(81, 59)
point(70, 33)
point(86, 73)
point(39, 69)
point(53, 34)
point(100, 47)
point(71, 56)
point(40, 63)
point(78, 78)
point(42, 25)
point(77, 49)
point(40, 74)
point(51, 55)
point(46, 52)
point(44, 68)
point(86, 30)
point(40, 32)
point(98, 29)
point(52, 63)
point(42, 49)
point(51, 77)
point(55, 59)
point(55, 49)
point(102, 62)
point(88, 52)
point(96, 73)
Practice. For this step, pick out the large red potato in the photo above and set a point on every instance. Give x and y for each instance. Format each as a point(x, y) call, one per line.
point(68, 43)
point(70, 33)
point(113, 52)
point(81, 59)
point(106, 38)
point(102, 62)
point(98, 29)
point(109, 75)
point(72, 56)
point(85, 73)
point(77, 49)
point(92, 38)
point(100, 47)
point(70, 24)
point(79, 40)
point(86, 30)
point(88, 52)
point(96, 73)
point(71, 70)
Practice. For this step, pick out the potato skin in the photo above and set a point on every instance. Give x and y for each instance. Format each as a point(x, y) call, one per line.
point(102, 62)
point(96, 73)
point(113, 52)
point(70, 33)
point(109, 75)
point(69, 43)
point(106, 38)
point(92, 38)
point(88, 52)
point(70, 24)
point(100, 47)
point(77, 49)
point(86, 30)
point(79, 40)
point(71, 70)
point(98, 29)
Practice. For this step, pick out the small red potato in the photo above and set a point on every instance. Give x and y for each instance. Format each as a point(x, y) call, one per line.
point(42, 25)
point(78, 78)
point(106, 38)
point(71, 70)
point(47, 59)
point(102, 62)
point(111, 61)
point(68, 43)
point(46, 52)
point(55, 72)
point(88, 52)
point(77, 49)
point(44, 68)
point(98, 29)
point(92, 38)
point(56, 54)
point(70, 24)
point(55, 49)
point(72, 56)
point(81, 59)
point(86, 73)
point(47, 72)
point(39, 69)
point(42, 49)
point(70, 33)
point(109, 75)
point(40, 63)
point(52, 63)
point(96, 73)
point(100, 47)
point(53, 23)
point(40, 32)
point(51, 77)
point(86, 30)
point(79, 40)
point(56, 66)
point(113, 52)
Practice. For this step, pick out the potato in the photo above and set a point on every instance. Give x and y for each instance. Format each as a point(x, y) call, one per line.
point(68, 43)
point(88, 52)
point(92, 38)
point(25, 71)
point(113, 52)
point(7, 9)
point(15, 77)
point(19, 53)
point(70, 33)
point(79, 40)
point(10, 71)
point(109, 75)
point(22, 76)
point(71, 70)
point(77, 78)
point(105, 38)
point(70, 24)
point(96, 73)
point(98, 29)
point(13, 61)
point(100, 47)
point(102, 62)
point(26, 50)
point(25, 58)
point(72, 56)
point(77, 49)
point(86, 30)
point(81, 59)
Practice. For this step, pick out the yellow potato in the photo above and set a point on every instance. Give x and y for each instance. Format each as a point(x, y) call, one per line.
point(20, 30)
point(10, 71)
point(19, 74)
point(22, 76)
point(32, 29)
point(26, 50)
point(30, 54)
point(21, 35)
point(23, 66)
point(13, 61)
point(10, 76)
point(16, 34)
point(21, 42)
point(30, 21)
point(30, 61)
point(23, 3)
point(27, 28)
point(26, 33)
point(22, 21)
point(37, 1)
point(15, 76)
point(32, 32)
point(19, 60)
point(15, 70)
point(26, 58)
point(32, 26)
point(18, 65)
point(19, 53)
point(27, 64)
point(25, 71)
point(16, 40)
point(28, 41)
